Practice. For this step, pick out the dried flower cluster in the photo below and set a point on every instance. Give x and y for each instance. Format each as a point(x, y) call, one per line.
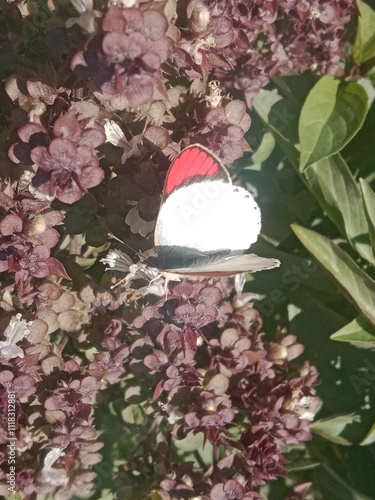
point(245, 43)
point(125, 59)
point(99, 103)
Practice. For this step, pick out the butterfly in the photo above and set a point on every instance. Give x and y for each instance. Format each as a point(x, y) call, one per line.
point(205, 223)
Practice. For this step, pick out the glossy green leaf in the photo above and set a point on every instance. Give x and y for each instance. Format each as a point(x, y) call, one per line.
point(364, 45)
point(332, 183)
point(332, 428)
point(370, 437)
point(368, 197)
point(333, 487)
point(332, 114)
point(329, 180)
point(357, 330)
point(265, 148)
point(358, 287)
point(279, 117)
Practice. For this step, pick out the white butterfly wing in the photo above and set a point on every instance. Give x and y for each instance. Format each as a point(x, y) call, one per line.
point(228, 266)
point(209, 216)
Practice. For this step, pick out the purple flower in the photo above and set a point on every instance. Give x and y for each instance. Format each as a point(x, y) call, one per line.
point(125, 61)
point(26, 239)
point(244, 44)
point(232, 490)
point(210, 416)
point(68, 167)
point(223, 131)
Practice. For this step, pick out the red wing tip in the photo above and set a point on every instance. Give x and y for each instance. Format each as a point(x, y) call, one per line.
point(193, 161)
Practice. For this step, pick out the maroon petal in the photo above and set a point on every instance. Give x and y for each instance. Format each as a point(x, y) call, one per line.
point(163, 48)
point(26, 131)
point(39, 269)
point(41, 158)
point(24, 386)
point(63, 150)
point(155, 25)
point(11, 224)
point(91, 176)
point(50, 237)
point(69, 193)
point(93, 137)
point(140, 89)
point(115, 45)
point(68, 127)
point(57, 269)
point(151, 60)
point(134, 19)
point(53, 218)
point(114, 20)
point(119, 46)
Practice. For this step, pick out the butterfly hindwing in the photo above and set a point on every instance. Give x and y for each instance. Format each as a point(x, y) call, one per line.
point(228, 266)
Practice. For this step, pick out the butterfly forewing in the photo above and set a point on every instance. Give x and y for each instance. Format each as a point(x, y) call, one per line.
point(202, 209)
point(203, 212)
point(194, 164)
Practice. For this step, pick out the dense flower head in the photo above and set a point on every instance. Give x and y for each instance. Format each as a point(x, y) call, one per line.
point(52, 397)
point(245, 43)
point(27, 236)
point(125, 59)
point(67, 162)
point(138, 185)
point(223, 130)
point(191, 307)
point(246, 378)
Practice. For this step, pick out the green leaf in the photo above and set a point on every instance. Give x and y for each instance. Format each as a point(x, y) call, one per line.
point(301, 465)
point(279, 117)
point(332, 183)
point(368, 198)
point(84, 262)
point(357, 330)
point(333, 487)
point(331, 428)
point(80, 214)
point(355, 283)
point(265, 148)
point(370, 437)
point(364, 45)
point(96, 233)
point(133, 414)
point(332, 114)
point(14, 496)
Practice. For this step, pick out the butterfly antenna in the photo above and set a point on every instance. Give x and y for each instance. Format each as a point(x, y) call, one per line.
point(118, 283)
point(111, 235)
